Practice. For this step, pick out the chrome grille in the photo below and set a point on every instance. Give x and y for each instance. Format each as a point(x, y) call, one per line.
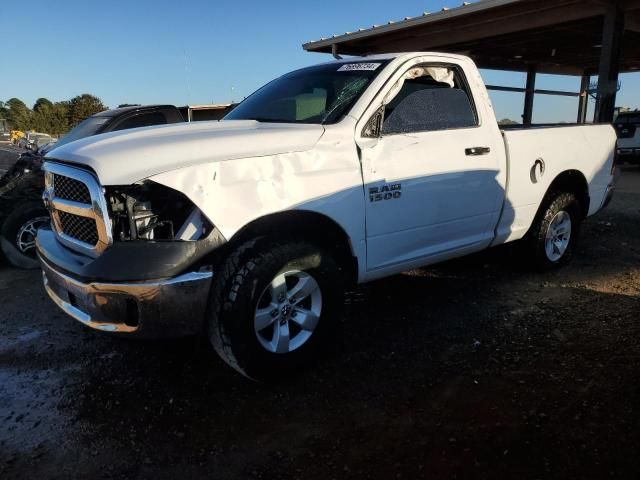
point(78, 208)
point(71, 189)
point(81, 228)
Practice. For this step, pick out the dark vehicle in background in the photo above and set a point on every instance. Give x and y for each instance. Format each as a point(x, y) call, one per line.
point(627, 127)
point(22, 211)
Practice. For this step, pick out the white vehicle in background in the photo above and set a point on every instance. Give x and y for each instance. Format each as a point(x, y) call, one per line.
point(628, 129)
point(249, 229)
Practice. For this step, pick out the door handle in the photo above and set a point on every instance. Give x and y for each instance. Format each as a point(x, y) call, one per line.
point(476, 151)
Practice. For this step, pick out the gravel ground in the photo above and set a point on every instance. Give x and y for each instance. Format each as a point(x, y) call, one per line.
point(472, 369)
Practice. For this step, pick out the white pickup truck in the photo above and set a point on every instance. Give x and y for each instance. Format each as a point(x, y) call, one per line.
point(250, 228)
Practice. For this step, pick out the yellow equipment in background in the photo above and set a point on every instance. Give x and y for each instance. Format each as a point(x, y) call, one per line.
point(16, 135)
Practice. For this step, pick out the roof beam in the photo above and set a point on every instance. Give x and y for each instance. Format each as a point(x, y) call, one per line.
point(558, 36)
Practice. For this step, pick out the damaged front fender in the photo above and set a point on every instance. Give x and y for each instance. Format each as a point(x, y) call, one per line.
point(325, 179)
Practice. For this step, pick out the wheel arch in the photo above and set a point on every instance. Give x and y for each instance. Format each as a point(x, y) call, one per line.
point(571, 181)
point(308, 225)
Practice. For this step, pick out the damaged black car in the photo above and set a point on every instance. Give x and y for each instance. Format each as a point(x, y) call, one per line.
point(22, 211)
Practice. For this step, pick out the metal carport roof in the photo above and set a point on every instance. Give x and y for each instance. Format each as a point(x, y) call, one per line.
point(559, 36)
point(575, 37)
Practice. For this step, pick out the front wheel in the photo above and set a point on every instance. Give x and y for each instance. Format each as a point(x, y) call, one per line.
point(18, 236)
point(552, 239)
point(273, 307)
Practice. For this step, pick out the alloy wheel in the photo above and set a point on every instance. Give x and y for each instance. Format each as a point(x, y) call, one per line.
point(288, 312)
point(558, 236)
point(26, 236)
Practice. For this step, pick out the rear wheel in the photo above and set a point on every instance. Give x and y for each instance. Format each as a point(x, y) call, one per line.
point(273, 307)
point(551, 241)
point(18, 236)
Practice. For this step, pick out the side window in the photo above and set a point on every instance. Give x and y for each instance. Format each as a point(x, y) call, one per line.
point(425, 103)
point(143, 120)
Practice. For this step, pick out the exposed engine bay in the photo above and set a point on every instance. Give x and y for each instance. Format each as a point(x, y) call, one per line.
point(150, 211)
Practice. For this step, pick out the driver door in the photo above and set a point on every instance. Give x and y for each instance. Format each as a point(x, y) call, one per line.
point(433, 179)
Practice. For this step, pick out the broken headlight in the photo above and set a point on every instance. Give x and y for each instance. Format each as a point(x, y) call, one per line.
point(151, 211)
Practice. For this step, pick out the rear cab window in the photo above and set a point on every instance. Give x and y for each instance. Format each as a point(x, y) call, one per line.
point(142, 120)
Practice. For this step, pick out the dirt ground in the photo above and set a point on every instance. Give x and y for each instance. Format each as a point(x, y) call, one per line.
point(472, 369)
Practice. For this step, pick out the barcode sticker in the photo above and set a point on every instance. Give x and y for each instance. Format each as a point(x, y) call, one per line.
point(365, 67)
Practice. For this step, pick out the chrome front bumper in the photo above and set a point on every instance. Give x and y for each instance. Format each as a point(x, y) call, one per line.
point(163, 308)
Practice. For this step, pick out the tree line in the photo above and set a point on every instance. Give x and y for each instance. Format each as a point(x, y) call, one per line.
point(54, 118)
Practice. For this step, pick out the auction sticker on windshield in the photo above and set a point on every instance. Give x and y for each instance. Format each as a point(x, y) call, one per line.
point(351, 67)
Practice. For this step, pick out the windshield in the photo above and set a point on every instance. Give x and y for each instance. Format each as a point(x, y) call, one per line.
point(320, 94)
point(86, 128)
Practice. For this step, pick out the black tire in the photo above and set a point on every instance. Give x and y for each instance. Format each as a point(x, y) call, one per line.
point(239, 286)
point(534, 244)
point(12, 226)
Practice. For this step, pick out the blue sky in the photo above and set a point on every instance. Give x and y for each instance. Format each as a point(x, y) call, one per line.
point(166, 51)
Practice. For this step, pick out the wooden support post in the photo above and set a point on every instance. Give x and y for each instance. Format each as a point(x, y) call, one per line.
point(529, 96)
point(612, 30)
point(583, 104)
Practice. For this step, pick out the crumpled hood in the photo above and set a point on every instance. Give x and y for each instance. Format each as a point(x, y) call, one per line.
point(125, 157)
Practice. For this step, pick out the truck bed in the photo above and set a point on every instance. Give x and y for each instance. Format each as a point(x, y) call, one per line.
point(534, 161)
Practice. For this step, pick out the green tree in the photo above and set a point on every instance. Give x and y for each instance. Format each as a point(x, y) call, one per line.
point(49, 117)
point(42, 119)
point(18, 114)
point(83, 106)
point(59, 118)
point(52, 118)
point(42, 105)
